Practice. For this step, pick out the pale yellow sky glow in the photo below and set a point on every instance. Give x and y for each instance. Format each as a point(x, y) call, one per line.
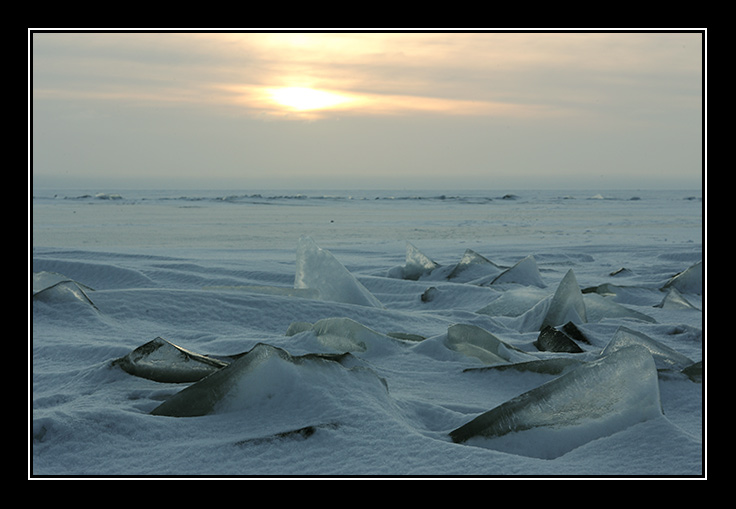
point(305, 99)
point(371, 73)
point(581, 99)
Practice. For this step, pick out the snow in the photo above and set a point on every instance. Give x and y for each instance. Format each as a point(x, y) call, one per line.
point(351, 334)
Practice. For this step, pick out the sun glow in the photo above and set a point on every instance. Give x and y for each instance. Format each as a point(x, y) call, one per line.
point(303, 99)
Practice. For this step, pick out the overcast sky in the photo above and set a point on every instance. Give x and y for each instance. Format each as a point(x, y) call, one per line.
point(380, 110)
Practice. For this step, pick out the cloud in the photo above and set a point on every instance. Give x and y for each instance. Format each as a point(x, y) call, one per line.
point(449, 73)
point(410, 103)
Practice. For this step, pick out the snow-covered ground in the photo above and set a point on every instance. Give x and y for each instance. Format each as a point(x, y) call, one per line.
point(426, 310)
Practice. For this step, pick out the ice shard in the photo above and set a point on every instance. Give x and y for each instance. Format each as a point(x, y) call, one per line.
point(599, 307)
point(317, 269)
point(514, 302)
point(54, 287)
point(664, 356)
point(473, 266)
point(599, 398)
point(163, 361)
point(524, 272)
point(688, 281)
point(567, 304)
point(417, 263)
point(551, 366)
point(675, 300)
point(474, 341)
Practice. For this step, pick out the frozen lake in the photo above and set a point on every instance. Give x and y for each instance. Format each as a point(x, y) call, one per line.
point(214, 272)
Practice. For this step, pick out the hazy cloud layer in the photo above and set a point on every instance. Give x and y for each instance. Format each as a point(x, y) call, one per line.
point(369, 108)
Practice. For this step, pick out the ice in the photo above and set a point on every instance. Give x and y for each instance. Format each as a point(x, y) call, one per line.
point(688, 281)
point(317, 269)
point(53, 287)
point(514, 302)
point(599, 308)
point(552, 340)
point(347, 386)
point(476, 342)
point(594, 400)
point(675, 300)
point(417, 264)
point(524, 272)
point(567, 303)
point(474, 268)
point(665, 356)
point(343, 335)
point(163, 361)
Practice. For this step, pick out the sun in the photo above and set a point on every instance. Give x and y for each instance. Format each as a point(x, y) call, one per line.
point(305, 99)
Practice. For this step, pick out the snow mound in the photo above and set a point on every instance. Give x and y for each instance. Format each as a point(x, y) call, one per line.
point(270, 380)
point(341, 334)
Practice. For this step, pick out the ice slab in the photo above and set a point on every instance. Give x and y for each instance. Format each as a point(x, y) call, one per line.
point(317, 269)
point(163, 361)
point(567, 304)
point(688, 281)
point(514, 302)
point(524, 272)
point(664, 356)
point(54, 287)
point(675, 300)
point(593, 400)
point(474, 341)
point(599, 307)
point(417, 263)
point(473, 267)
point(552, 366)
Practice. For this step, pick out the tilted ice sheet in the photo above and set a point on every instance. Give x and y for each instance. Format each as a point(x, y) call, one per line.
point(596, 399)
point(317, 269)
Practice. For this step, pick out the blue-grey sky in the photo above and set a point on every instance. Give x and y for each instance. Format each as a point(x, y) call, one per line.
point(379, 110)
